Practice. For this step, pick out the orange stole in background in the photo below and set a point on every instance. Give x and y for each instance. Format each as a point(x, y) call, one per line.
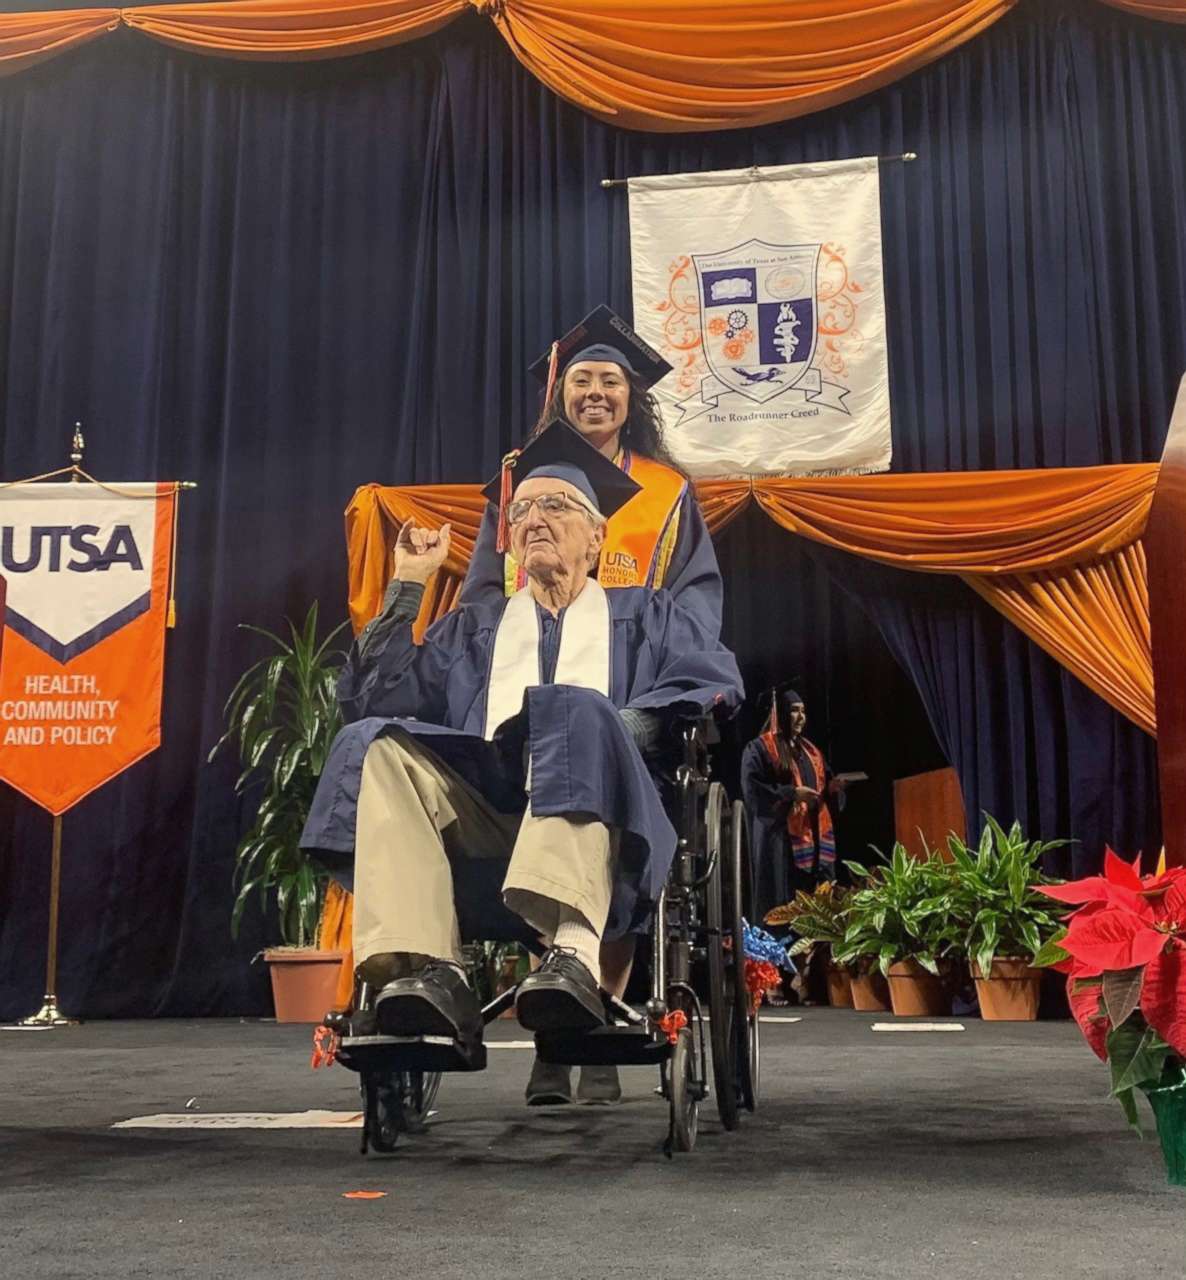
point(639, 537)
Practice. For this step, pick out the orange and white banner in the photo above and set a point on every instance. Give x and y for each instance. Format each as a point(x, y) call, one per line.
point(88, 574)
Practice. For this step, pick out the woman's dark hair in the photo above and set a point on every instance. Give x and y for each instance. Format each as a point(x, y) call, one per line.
point(642, 431)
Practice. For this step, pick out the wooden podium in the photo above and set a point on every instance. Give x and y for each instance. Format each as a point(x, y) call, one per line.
point(1165, 550)
point(926, 807)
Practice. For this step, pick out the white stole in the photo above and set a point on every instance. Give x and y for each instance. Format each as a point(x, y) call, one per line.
point(584, 659)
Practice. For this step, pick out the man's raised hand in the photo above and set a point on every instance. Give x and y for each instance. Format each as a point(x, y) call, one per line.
point(419, 553)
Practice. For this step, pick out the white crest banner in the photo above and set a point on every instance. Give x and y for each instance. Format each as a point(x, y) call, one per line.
point(763, 287)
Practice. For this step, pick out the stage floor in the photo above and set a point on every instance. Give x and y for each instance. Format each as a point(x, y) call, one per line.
point(991, 1153)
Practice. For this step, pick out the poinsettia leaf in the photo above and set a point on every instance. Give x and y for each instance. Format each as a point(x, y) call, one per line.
point(1139, 1064)
point(1086, 1001)
point(1163, 996)
point(1111, 939)
point(1122, 993)
point(1089, 889)
point(1128, 1102)
point(1118, 872)
point(1052, 953)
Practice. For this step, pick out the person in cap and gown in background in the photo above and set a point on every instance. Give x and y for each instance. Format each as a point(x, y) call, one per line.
point(509, 739)
point(792, 798)
point(597, 379)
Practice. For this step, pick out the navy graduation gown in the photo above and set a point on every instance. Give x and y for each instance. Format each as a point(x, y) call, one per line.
point(693, 575)
point(583, 757)
point(768, 800)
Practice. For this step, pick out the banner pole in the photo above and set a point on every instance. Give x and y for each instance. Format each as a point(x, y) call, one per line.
point(49, 1015)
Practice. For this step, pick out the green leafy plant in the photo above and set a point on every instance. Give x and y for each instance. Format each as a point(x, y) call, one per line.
point(902, 911)
point(819, 917)
point(283, 715)
point(995, 897)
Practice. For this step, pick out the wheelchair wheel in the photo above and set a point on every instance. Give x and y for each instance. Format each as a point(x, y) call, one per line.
point(725, 1014)
point(382, 1111)
point(685, 1105)
point(395, 1103)
point(420, 1092)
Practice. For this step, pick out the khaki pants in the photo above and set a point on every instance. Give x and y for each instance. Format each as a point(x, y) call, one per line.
point(412, 809)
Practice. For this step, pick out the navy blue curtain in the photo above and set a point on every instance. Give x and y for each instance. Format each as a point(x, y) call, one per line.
point(283, 282)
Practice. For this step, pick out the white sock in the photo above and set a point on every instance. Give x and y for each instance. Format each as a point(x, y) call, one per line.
point(575, 933)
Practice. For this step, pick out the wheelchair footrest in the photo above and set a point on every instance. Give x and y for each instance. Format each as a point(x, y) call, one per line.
point(603, 1046)
point(410, 1053)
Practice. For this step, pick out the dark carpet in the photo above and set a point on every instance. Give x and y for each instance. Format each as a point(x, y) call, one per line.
point(993, 1153)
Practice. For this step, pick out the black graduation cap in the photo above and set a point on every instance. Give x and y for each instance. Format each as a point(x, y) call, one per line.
point(602, 335)
point(769, 700)
point(564, 454)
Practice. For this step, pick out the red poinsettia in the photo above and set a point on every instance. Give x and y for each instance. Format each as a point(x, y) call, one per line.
point(1126, 952)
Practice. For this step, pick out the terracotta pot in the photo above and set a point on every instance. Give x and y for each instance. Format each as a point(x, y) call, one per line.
point(839, 987)
point(915, 993)
point(304, 982)
point(870, 994)
point(1010, 992)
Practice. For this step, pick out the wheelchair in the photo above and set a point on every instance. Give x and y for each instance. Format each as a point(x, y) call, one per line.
point(697, 969)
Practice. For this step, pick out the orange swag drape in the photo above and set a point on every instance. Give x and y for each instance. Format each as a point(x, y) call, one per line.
point(656, 65)
point(1162, 10)
point(665, 66)
point(288, 29)
point(1057, 551)
point(29, 38)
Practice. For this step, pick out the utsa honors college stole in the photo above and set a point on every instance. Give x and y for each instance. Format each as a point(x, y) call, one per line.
point(88, 576)
point(639, 537)
point(584, 659)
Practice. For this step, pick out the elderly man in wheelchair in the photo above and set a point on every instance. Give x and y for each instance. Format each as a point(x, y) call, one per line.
point(509, 746)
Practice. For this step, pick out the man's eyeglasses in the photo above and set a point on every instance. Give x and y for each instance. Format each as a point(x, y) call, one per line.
point(551, 504)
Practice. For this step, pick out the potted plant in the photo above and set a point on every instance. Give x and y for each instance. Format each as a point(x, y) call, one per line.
point(1124, 953)
point(900, 920)
point(818, 918)
point(1003, 918)
point(282, 715)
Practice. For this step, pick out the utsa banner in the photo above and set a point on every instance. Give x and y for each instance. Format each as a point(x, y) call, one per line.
point(88, 571)
point(763, 287)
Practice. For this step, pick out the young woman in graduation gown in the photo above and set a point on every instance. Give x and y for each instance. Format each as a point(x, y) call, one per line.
point(599, 377)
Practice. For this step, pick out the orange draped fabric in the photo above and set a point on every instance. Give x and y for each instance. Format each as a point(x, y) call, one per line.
point(287, 29)
point(656, 65)
point(1057, 551)
point(664, 66)
point(976, 522)
point(26, 38)
point(1163, 10)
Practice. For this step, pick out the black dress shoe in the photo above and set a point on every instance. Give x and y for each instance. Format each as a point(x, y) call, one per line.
point(436, 1001)
point(550, 1085)
point(561, 995)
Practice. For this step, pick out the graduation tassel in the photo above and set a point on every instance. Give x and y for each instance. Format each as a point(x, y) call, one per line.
point(553, 361)
point(504, 497)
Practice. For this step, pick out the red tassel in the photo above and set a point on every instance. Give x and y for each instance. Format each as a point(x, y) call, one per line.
point(504, 498)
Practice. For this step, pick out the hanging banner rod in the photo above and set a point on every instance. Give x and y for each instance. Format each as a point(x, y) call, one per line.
point(756, 173)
